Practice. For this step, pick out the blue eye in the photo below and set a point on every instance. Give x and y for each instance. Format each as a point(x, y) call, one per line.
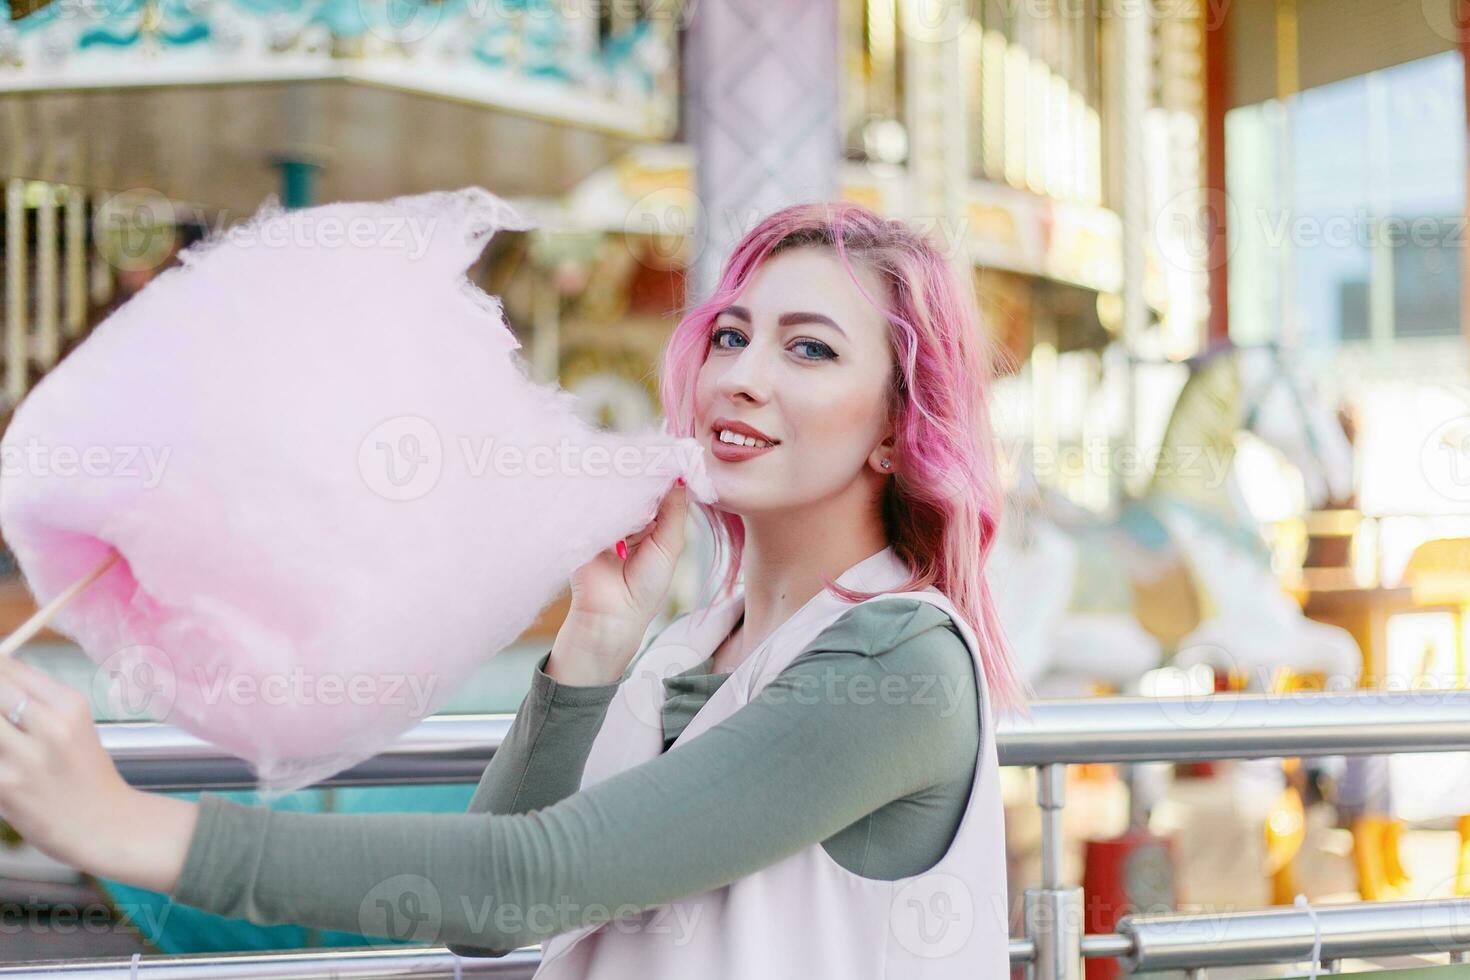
point(715, 337)
point(820, 350)
point(825, 352)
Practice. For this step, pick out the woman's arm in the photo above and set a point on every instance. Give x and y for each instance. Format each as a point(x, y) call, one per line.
point(539, 762)
point(833, 738)
point(542, 756)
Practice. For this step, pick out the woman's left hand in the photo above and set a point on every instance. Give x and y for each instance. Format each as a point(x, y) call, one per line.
point(58, 786)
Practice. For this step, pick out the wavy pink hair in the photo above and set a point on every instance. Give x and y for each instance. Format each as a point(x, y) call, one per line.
point(941, 509)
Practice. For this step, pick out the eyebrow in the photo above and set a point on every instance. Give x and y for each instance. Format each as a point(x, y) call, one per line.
point(785, 319)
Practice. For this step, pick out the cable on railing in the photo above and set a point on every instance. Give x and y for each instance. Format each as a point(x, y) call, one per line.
point(1302, 903)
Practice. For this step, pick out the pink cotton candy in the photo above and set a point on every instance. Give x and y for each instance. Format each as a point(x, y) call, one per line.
point(302, 444)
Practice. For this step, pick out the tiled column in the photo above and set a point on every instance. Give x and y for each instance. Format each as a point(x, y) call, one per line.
point(760, 77)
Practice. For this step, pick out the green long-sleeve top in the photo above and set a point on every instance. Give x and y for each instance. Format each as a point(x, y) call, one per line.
point(866, 742)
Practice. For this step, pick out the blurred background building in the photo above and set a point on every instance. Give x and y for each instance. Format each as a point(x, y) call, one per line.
point(1234, 226)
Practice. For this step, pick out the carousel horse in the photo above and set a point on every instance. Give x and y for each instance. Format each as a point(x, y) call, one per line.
point(1180, 576)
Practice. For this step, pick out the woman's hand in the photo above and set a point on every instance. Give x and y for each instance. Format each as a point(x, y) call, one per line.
point(57, 782)
point(61, 791)
point(614, 599)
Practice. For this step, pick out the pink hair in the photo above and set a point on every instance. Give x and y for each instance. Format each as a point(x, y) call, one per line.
point(941, 509)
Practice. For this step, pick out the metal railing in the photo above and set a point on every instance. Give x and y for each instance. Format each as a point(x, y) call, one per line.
point(456, 748)
point(1057, 733)
point(360, 963)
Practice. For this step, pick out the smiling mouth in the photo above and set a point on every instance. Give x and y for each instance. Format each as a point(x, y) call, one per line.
point(725, 437)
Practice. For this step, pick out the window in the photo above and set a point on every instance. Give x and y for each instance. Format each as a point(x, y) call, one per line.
point(1348, 202)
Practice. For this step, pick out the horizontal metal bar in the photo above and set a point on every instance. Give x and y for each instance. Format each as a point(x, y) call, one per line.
point(367, 962)
point(1100, 945)
point(1237, 726)
point(1022, 951)
point(1104, 945)
point(1143, 943)
point(1286, 935)
point(361, 963)
point(456, 748)
point(440, 750)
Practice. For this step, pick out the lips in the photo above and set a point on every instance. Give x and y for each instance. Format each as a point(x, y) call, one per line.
point(740, 428)
point(730, 453)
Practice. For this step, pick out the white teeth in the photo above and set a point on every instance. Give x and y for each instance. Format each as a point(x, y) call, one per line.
point(737, 440)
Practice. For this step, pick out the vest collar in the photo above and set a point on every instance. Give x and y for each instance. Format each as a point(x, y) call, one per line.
point(881, 571)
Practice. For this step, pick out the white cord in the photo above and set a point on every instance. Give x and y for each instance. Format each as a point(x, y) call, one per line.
point(1301, 902)
point(133, 968)
point(456, 965)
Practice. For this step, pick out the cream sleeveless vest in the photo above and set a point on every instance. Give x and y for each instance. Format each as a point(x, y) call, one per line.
point(805, 916)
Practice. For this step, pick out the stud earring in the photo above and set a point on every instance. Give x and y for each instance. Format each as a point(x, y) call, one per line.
point(885, 464)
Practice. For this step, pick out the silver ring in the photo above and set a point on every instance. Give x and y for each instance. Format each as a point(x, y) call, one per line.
point(18, 712)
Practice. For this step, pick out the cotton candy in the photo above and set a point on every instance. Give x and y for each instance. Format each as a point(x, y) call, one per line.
point(302, 442)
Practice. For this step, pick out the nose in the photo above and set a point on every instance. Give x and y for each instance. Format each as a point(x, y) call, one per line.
point(746, 376)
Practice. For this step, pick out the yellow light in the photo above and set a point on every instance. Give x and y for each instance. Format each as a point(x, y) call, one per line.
point(1058, 154)
point(881, 46)
point(1038, 95)
point(1017, 68)
point(1093, 155)
point(992, 104)
point(881, 29)
point(1077, 126)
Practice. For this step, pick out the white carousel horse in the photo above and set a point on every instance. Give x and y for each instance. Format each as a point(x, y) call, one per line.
point(1178, 574)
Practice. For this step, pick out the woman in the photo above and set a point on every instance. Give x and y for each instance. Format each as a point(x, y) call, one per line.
point(832, 809)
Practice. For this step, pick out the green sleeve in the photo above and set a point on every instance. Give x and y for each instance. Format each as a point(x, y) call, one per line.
point(541, 758)
point(832, 738)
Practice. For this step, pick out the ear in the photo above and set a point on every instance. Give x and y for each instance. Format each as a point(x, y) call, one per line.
point(884, 451)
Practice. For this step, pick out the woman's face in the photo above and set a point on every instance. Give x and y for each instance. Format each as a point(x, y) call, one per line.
point(801, 357)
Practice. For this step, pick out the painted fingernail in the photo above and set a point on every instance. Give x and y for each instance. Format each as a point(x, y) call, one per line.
point(680, 481)
point(622, 549)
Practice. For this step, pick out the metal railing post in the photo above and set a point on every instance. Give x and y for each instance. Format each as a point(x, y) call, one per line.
point(1053, 913)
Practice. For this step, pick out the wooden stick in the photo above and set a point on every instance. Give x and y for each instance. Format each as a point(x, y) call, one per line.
point(42, 616)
